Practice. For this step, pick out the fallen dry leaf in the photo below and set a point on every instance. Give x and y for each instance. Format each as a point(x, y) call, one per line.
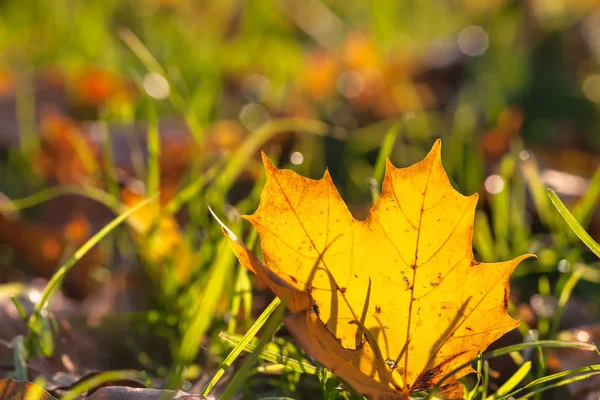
point(17, 390)
point(390, 304)
point(66, 153)
point(96, 87)
point(44, 246)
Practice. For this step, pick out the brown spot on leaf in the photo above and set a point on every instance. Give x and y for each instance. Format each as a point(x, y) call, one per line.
point(377, 310)
point(315, 309)
point(342, 290)
point(453, 390)
point(425, 380)
point(294, 279)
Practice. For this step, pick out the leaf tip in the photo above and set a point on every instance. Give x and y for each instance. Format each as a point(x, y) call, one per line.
point(517, 260)
point(436, 152)
point(388, 164)
point(268, 164)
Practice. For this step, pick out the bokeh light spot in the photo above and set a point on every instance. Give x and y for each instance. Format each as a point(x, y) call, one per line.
point(253, 116)
point(564, 266)
point(156, 86)
point(296, 158)
point(582, 336)
point(351, 84)
point(473, 40)
point(494, 184)
point(524, 155)
point(591, 88)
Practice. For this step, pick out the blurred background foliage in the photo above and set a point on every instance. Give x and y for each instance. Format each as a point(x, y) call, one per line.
point(106, 103)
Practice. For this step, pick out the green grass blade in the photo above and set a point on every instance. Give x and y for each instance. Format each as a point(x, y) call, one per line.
point(572, 222)
point(386, 149)
point(272, 353)
point(520, 230)
point(136, 152)
point(553, 377)
point(537, 188)
point(17, 345)
point(191, 191)
point(59, 275)
point(46, 335)
point(512, 381)
point(25, 107)
point(19, 308)
point(384, 153)
point(534, 335)
point(518, 347)
point(13, 290)
point(242, 374)
point(243, 290)
point(237, 350)
point(102, 378)
point(565, 294)
point(558, 384)
point(500, 210)
point(110, 176)
point(212, 290)
point(47, 194)
point(483, 239)
point(153, 183)
point(486, 379)
point(152, 65)
point(583, 210)
point(473, 392)
point(141, 51)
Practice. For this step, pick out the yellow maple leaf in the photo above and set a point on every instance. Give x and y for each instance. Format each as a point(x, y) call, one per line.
point(390, 304)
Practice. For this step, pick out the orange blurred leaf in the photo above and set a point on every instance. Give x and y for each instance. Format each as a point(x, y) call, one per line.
point(43, 246)
point(165, 244)
point(66, 154)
